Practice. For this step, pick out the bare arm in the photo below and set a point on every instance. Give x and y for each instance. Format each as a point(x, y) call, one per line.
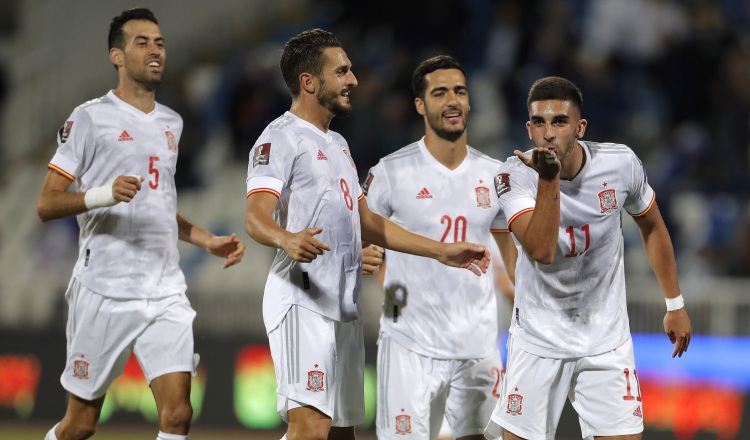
point(301, 246)
point(661, 256)
point(537, 230)
point(383, 232)
point(55, 202)
point(223, 246)
point(372, 258)
point(509, 253)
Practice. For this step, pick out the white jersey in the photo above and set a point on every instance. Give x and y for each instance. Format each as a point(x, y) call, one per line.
point(575, 306)
point(434, 310)
point(315, 179)
point(128, 250)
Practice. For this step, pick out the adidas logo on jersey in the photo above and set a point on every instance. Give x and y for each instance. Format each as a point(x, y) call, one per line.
point(424, 194)
point(321, 156)
point(124, 137)
point(638, 412)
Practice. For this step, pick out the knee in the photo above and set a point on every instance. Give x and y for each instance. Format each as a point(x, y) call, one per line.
point(176, 419)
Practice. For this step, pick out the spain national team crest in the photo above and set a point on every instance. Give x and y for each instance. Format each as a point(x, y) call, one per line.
point(80, 369)
point(403, 424)
point(483, 197)
point(502, 183)
point(262, 154)
point(515, 404)
point(171, 141)
point(608, 201)
point(315, 380)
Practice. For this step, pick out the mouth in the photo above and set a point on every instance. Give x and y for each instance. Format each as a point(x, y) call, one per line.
point(154, 65)
point(452, 116)
point(345, 94)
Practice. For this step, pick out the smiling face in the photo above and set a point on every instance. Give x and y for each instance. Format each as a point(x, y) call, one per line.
point(556, 125)
point(335, 82)
point(142, 58)
point(445, 105)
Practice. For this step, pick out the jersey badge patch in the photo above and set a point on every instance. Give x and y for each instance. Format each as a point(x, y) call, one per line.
point(483, 197)
point(515, 404)
point(608, 201)
point(424, 194)
point(315, 380)
point(124, 136)
point(349, 156)
point(403, 424)
point(262, 154)
point(368, 182)
point(171, 141)
point(502, 183)
point(321, 156)
point(80, 369)
point(65, 131)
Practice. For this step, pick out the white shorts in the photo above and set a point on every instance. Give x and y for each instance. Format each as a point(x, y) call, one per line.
point(603, 389)
point(102, 333)
point(415, 392)
point(320, 363)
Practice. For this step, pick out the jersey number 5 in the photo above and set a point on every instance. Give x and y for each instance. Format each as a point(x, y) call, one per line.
point(153, 181)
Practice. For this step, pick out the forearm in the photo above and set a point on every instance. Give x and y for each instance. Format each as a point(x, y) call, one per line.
point(55, 205)
point(191, 233)
point(660, 254)
point(540, 235)
point(264, 230)
point(383, 232)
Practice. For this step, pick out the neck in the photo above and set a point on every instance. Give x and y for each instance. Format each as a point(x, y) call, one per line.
point(312, 113)
point(449, 153)
point(136, 95)
point(573, 164)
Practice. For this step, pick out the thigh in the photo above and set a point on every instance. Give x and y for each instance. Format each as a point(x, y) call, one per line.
point(606, 393)
point(533, 396)
point(411, 392)
point(100, 336)
point(166, 344)
point(474, 390)
point(319, 363)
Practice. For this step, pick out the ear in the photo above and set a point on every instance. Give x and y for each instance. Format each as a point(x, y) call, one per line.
point(116, 56)
point(419, 105)
point(528, 128)
point(581, 128)
point(308, 83)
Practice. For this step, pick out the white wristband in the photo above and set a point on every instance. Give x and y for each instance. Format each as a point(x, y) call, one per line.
point(100, 197)
point(675, 303)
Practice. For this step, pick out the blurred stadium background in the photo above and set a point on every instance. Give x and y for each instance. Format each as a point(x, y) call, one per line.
point(669, 78)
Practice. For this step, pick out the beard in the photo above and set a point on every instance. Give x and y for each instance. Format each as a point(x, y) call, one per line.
point(330, 100)
point(451, 133)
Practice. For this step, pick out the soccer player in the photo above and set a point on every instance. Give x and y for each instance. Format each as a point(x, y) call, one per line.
point(303, 198)
point(127, 292)
point(570, 335)
point(437, 351)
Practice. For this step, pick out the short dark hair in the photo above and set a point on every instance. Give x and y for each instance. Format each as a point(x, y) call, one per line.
point(304, 53)
point(555, 88)
point(418, 83)
point(116, 34)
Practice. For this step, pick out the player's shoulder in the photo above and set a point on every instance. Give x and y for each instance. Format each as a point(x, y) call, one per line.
point(167, 111)
point(94, 105)
point(402, 153)
point(607, 148)
point(479, 156)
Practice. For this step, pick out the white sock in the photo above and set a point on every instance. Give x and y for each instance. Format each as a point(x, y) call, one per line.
point(283, 438)
point(165, 436)
point(51, 433)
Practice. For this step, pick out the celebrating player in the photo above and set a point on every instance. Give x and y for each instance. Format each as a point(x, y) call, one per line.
point(127, 292)
point(437, 351)
point(303, 198)
point(570, 335)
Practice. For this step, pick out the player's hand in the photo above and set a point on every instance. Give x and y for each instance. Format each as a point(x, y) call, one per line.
point(544, 160)
point(474, 257)
point(226, 247)
point(372, 258)
point(677, 327)
point(124, 188)
point(303, 246)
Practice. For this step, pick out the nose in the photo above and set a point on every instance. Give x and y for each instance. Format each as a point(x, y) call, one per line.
point(351, 80)
point(548, 132)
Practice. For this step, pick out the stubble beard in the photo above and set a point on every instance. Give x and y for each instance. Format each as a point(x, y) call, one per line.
point(330, 100)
